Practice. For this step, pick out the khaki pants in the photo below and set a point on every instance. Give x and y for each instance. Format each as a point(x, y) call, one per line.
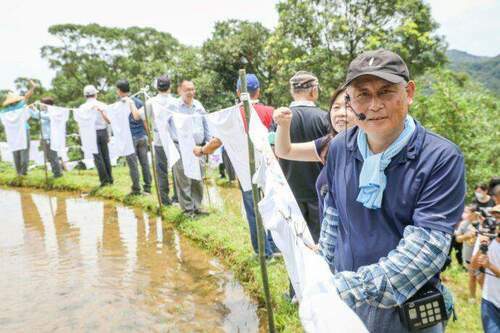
point(189, 191)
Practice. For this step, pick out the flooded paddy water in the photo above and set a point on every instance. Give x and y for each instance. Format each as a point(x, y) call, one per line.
point(71, 264)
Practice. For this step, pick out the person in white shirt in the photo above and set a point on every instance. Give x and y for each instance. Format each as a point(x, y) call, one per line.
point(190, 191)
point(13, 103)
point(466, 234)
point(165, 99)
point(101, 159)
point(50, 155)
point(486, 258)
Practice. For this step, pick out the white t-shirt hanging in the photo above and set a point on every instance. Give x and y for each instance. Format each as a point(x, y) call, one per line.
point(36, 152)
point(271, 175)
point(85, 117)
point(14, 123)
point(118, 114)
point(58, 117)
point(191, 163)
point(5, 154)
point(92, 104)
point(162, 115)
point(113, 150)
point(309, 273)
point(227, 125)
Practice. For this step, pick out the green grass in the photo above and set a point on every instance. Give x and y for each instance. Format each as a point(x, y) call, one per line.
point(224, 233)
point(468, 315)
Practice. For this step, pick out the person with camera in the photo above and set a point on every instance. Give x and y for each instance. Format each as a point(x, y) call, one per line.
point(486, 258)
point(466, 234)
point(395, 193)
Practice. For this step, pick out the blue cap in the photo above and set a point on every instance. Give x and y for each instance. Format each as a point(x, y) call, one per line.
point(252, 83)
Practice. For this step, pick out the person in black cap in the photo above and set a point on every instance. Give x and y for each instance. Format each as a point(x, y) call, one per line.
point(395, 193)
point(163, 98)
point(308, 123)
point(140, 141)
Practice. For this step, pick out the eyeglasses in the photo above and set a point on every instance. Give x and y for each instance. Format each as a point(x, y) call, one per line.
point(385, 95)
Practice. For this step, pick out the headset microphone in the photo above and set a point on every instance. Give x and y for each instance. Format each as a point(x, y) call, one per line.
point(360, 116)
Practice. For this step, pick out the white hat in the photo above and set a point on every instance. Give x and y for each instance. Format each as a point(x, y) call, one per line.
point(89, 90)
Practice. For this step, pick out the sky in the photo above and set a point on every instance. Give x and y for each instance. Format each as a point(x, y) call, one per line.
point(468, 25)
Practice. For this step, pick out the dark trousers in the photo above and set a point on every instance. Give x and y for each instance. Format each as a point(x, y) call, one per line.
point(310, 211)
point(458, 250)
point(490, 316)
point(252, 225)
point(162, 174)
point(228, 166)
point(141, 154)
point(101, 159)
point(51, 157)
point(22, 158)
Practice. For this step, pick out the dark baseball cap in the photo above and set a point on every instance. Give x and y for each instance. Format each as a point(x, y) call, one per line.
point(381, 63)
point(163, 82)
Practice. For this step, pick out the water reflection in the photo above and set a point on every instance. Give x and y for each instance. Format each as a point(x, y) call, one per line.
point(70, 264)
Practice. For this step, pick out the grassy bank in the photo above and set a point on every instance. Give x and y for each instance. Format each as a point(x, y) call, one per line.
point(224, 233)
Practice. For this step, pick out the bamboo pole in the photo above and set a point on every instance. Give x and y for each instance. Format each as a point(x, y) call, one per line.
point(256, 199)
point(151, 147)
point(44, 147)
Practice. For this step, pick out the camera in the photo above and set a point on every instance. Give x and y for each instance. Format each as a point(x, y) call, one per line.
point(488, 226)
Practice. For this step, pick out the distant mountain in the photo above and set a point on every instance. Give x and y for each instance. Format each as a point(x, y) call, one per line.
point(483, 69)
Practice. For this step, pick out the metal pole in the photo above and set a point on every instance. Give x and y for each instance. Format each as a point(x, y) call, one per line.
point(206, 184)
point(151, 147)
point(256, 199)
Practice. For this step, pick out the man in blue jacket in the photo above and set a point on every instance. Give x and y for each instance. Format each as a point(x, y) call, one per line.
point(396, 191)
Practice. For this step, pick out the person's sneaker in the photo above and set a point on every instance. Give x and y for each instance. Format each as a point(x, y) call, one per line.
point(277, 255)
point(292, 300)
point(201, 212)
point(270, 259)
point(189, 214)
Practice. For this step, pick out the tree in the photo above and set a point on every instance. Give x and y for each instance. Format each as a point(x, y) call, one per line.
point(323, 36)
point(93, 54)
point(234, 45)
point(464, 112)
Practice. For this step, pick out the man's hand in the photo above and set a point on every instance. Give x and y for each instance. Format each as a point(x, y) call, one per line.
point(470, 234)
point(282, 116)
point(483, 261)
point(198, 151)
point(103, 115)
point(314, 247)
